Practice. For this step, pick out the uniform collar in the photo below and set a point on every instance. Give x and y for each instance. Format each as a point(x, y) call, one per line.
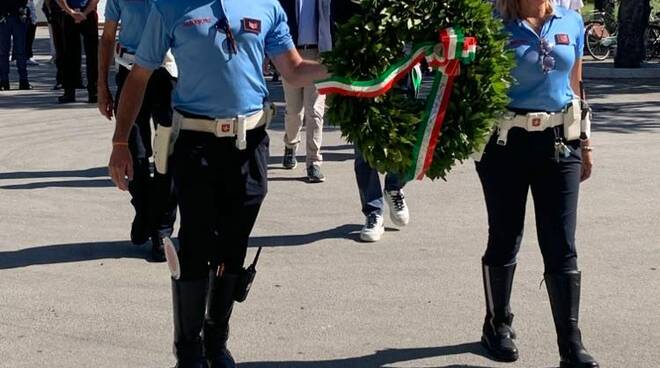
point(556, 13)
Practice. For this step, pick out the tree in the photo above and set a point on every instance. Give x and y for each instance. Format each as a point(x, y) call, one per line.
point(633, 20)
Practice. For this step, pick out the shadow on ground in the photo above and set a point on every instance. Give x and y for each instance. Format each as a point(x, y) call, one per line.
point(382, 358)
point(80, 252)
point(100, 175)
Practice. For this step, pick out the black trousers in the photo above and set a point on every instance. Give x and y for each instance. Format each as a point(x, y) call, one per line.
point(152, 197)
point(507, 173)
point(220, 190)
point(58, 41)
point(29, 41)
point(70, 64)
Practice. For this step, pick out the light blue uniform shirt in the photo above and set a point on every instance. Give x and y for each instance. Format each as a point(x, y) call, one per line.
point(133, 17)
point(533, 89)
point(212, 81)
point(308, 26)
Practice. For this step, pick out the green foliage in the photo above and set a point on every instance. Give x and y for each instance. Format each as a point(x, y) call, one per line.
point(385, 128)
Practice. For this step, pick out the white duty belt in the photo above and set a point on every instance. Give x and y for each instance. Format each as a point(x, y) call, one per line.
point(540, 121)
point(231, 127)
point(126, 59)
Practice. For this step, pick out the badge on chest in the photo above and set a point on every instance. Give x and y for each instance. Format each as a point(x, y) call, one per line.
point(562, 39)
point(251, 25)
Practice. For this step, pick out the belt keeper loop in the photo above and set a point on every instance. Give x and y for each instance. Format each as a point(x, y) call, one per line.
point(241, 133)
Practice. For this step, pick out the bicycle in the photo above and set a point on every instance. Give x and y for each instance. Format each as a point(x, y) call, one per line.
point(600, 34)
point(652, 37)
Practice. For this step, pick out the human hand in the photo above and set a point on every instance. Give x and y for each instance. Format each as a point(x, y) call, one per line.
point(587, 160)
point(106, 104)
point(121, 166)
point(78, 16)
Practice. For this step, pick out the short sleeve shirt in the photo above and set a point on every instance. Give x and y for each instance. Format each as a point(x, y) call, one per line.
point(534, 89)
point(133, 16)
point(212, 80)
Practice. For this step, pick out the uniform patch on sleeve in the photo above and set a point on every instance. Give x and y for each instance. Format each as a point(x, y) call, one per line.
point(251, 25)
point(562, 39)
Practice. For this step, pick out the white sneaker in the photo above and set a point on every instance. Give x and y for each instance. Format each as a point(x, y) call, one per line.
point(398, 208)
point(373, 228)
point(32, 62)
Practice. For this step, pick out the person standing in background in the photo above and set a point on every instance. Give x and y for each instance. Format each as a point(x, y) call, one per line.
point(372, 195)
point(31, 34)
point(54, 16)
point(310, 25)
point(14, 17)
point(79, 19)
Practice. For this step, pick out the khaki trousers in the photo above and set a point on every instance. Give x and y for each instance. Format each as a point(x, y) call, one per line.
point(304, 105)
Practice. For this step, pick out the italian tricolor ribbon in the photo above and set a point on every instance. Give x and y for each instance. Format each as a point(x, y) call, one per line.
point(446, 56)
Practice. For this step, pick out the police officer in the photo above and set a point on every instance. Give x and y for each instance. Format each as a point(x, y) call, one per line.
point(14, 19)
point(219, 161)
point(152, 197)
point(541, 144)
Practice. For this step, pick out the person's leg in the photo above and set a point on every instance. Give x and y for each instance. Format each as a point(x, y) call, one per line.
point(369, 188)
point(5, 45)
point(19, 32)
point(371, 198)
point(504, 177)
point(70, 62)
point(293, 121)
point(90, 33)
point(51, 42)
point(555, 190)
point(196, 192)
point(314, 106)
point(29, 42)
point(58, 43)
point(396, 201)
point(243, 184)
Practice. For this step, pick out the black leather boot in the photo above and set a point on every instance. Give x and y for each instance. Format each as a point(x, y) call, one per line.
point(564, 293)
point(216, 325)
point(24, 85)
point(189, 299)
point(69, 96)
point(498, 335)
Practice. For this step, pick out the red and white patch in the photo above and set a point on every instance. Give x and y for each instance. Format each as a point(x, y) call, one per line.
point(225, 128)
point(562, 39)
point(251, 25)
point(536, 122)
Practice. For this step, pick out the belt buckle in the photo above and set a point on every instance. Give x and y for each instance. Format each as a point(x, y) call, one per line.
point(536, 121)
point(224, 128)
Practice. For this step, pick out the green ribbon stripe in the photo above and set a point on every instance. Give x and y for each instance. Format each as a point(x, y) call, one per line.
point(433, 95)
point(381, 78)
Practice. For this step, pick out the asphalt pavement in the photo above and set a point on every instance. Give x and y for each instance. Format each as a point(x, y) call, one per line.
point(75, 293)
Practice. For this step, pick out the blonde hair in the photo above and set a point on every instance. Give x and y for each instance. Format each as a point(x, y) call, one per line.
point(510, 9)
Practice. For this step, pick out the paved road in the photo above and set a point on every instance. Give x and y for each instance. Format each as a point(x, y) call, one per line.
point(75, 293)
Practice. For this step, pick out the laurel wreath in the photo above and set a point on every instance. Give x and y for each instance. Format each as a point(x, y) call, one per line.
point(385, 128)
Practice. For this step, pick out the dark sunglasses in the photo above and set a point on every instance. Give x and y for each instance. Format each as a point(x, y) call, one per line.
point(547, 60)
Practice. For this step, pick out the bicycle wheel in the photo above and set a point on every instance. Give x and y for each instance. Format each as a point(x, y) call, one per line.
point(594, 33)
point(652, 41)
